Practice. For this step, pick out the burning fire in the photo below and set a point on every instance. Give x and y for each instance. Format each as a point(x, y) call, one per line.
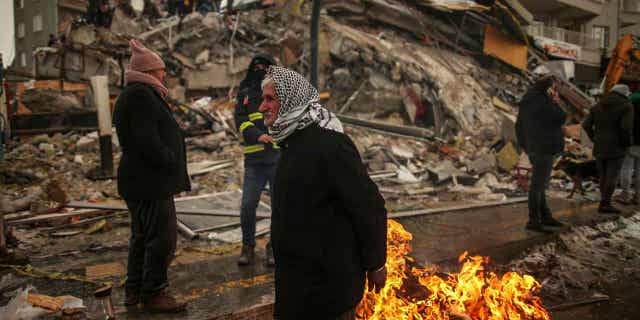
point(470, 294)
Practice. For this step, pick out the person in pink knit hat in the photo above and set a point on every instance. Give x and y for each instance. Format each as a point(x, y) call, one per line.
point(152, 169)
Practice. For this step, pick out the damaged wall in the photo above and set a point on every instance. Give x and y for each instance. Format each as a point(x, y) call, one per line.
point(454, 77)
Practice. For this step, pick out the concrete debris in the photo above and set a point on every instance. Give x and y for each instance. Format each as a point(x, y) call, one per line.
point(594, 254)
point(507, 157)
point(202, 57)
point(483, 164)
point(444, 171)
point(40, 101)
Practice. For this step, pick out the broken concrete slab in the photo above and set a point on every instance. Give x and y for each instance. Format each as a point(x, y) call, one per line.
point(184, 60)
point(202, 57)
point(444, 171)
point(508, 128)
point(402, 152)
point(84, 34)
point(212, 21)
point(42, 101)
point(215, 76)
point(123, 24)
point(507, 157)
point(482, 164)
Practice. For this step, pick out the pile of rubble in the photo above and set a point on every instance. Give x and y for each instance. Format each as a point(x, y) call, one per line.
point(431, 113)
point(586, 259)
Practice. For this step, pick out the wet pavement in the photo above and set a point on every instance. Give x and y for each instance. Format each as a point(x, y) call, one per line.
point(215, 286)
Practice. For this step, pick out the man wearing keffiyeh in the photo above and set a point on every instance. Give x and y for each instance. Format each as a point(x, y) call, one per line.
point(329, 219)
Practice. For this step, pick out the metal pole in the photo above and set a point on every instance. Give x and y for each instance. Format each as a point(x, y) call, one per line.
point(188, 233)
point(315, 22)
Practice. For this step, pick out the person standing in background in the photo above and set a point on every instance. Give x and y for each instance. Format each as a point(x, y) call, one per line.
point(260, 155)
point(539, 132)
point(153, 168)
point(610, 126)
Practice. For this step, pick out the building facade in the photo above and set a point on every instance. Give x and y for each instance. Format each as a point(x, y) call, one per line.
point(34, 21)
point(583, 31)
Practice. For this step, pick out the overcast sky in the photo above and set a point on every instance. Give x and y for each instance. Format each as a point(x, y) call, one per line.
point(6, 31)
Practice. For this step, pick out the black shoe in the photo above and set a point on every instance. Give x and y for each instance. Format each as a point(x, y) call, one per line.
point(247, 255)
point(551, 222)
point(537, 227)
point(608, 209)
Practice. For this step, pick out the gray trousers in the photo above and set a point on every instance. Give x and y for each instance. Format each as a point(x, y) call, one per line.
point(630, 167)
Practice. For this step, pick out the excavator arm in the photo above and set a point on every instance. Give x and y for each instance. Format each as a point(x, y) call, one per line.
point(626, 52)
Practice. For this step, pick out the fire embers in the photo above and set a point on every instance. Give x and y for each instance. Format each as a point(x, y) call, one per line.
point(422, 293)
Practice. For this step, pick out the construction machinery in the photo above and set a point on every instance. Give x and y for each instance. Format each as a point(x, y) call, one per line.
point(624, 64)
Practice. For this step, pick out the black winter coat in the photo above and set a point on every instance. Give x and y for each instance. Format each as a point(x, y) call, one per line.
point(328, 226)
point(539, 124)
point(636, 123)
point(153, 163)
point(610, 126)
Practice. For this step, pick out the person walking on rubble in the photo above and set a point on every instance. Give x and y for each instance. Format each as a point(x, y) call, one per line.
point(260, 155)
point(610, 126)
point(153, 168)
point(631, 166)
point(329, 219)
point(539, 133)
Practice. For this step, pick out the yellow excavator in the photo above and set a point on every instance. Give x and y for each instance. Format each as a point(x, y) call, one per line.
point(624, 63)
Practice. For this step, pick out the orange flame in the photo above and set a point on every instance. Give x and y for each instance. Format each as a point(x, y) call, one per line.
point(470, 294)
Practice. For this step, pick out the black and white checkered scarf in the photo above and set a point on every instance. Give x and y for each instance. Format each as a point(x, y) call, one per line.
point(299, 105)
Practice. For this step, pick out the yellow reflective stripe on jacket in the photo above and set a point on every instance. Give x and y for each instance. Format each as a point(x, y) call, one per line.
point(245, 125)
point(275, 146)
point(255, 116)
point(254, 148)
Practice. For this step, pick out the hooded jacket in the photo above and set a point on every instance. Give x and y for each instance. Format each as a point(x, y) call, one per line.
point(610, 126)
point(249, 119)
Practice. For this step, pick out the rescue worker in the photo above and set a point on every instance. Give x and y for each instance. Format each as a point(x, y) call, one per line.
point(260, 155)
point(329, 220)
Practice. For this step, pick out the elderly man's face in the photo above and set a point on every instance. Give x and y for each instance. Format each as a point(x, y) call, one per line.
point(270, 104)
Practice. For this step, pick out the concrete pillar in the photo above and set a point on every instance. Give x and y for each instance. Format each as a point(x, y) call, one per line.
point(100, 88)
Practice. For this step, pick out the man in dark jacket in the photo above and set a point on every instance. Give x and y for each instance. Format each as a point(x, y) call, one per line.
point(539, 132)
point(610, 127)
point(260, 154)
point(631, 166)
point(153, 168)
point(329, 219)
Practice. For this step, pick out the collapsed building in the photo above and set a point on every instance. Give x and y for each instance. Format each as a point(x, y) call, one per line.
point(444, 77)
point(428, 89)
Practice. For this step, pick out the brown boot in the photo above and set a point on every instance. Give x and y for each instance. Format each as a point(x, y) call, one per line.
point(164, 303)
point(131, 298)
point(247, 255)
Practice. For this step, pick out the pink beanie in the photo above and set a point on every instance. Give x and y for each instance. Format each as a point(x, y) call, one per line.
point(143, 59)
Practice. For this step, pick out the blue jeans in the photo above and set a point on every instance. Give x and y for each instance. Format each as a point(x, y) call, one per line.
point(256, 177)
